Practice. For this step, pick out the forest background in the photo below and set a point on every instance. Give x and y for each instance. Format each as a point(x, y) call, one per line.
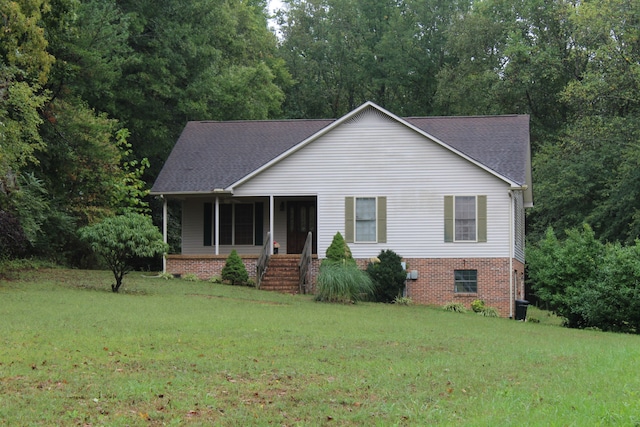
point(94, 93)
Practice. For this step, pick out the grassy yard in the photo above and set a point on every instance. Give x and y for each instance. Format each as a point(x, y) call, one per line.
point(173, 352)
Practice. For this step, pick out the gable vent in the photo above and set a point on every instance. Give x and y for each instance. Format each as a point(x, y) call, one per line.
point(367, 115)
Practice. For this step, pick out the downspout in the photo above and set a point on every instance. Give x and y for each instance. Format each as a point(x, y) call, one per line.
point(164, 231)
point(511, 231)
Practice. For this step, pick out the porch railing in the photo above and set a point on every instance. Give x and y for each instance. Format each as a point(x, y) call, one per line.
point(261, 267)
point(305, 264)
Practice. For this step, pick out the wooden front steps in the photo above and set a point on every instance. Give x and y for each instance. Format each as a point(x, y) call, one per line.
point(282, 274)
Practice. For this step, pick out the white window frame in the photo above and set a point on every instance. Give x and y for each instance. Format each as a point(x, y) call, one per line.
point(355, 219)
point(455, 282)
point(475, 219)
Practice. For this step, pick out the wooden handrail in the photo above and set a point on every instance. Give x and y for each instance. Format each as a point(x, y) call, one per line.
point(261, 266)
point(305, 263)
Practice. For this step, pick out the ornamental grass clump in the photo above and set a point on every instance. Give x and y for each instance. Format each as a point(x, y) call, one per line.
point(342, 282)
point(339, 279)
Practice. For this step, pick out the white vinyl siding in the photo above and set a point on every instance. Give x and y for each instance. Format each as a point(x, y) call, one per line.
point(375, 154)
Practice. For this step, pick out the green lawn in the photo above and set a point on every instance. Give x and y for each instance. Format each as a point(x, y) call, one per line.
point(173, 352)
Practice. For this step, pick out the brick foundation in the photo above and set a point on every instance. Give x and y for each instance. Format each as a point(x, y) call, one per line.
point(206, 266)
point(434, 286)
point(435, 283)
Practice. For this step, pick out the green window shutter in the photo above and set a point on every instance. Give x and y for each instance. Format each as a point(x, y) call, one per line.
point(349, 213)
point(448, 218)
point(382, 220)
point(482, 218)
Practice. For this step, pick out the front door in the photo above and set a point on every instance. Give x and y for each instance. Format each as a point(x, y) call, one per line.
point(301, 219)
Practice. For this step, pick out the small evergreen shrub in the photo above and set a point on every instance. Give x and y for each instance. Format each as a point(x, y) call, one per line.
point(234, 270)
point(455, 307)
point(388, 276)
point(165, 276)
point(338, 251)
point(190, 277)
point(343, 283)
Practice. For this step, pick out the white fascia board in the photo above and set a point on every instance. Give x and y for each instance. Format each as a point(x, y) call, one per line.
point(190, 193)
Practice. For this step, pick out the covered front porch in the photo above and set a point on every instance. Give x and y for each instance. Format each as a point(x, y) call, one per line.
point(215, 225)
point(256, 227)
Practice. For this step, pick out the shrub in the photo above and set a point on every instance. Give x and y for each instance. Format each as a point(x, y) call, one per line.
point(234, 270)
point(342, 283)
point(456, 307)
point(478, 306)
point(190, 277)
point(489, 312)
point(339, 251)
point(215, 279)
point(388, 276)
point(588, 283)
point(403, 301)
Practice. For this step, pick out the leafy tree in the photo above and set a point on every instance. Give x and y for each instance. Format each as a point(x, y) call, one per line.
point(338, 251)
point(234, 269)
point(24, 69)
point(388, 276)
point(120, 239)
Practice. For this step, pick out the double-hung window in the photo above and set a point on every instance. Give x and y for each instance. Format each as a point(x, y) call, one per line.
point(465, 218)
point(365, 219)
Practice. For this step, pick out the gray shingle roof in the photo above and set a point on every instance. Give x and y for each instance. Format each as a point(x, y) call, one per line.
point(213, 155)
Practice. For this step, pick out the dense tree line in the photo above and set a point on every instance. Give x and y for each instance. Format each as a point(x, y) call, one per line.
point(89, 89)
point(93, 94)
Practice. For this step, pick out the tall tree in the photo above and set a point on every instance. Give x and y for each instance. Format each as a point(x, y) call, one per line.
point(202, 60)
point(24, 69)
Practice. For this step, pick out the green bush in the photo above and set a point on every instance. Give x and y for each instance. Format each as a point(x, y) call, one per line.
point(190, 277)
point(403, 301)
point(455, 307)
point(588, 283)
point(343, 283)
point(388, 276)
point(489, 312)
point(338, 251)
point(215, 279)
point(478, 306)
point(234, 270)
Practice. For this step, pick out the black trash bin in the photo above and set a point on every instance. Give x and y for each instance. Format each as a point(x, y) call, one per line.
point(521, 309)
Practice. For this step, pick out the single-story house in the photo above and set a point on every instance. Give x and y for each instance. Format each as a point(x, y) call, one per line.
point(448, 194)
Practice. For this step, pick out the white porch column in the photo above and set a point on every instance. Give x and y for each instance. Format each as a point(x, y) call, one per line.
point(216, 226)
point(164, 231)
point(271, 212)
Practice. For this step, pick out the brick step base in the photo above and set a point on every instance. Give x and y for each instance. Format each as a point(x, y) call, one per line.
point(282, 274)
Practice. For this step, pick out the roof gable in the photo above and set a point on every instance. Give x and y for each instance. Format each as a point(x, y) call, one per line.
point(212, 156)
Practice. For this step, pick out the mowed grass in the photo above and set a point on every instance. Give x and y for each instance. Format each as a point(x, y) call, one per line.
point(173, 352)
